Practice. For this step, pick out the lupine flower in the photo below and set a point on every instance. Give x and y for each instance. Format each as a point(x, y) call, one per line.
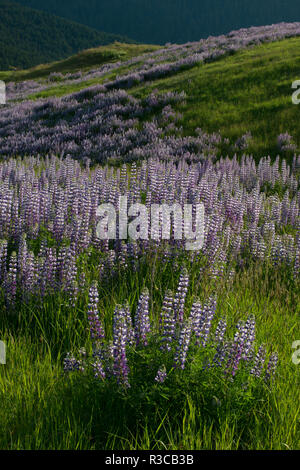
point(183, 345)
point(167, 321)
point(209, 313)
point(142, 321)
point(96, 329)
point(56, 269)
point(11, 280)
point(120, 365)
point(220, 331)
point(271, 367)
point(259, 362)
point(71, 363)
point(110, 358)
point(222, 352)
point(99, 372)
point(161, 375)
point(237, 349)
point(249, 338)
point(285, 143)
point(180, 295)
point(198, 316)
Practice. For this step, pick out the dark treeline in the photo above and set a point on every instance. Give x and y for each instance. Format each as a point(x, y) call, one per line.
point(161, 21)
point(29, 37)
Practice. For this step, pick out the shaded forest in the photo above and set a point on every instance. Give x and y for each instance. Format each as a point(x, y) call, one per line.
point(161, 21)
point(29, 37)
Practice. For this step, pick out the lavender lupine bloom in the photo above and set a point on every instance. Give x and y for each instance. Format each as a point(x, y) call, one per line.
point(209, 312)
point(142, 320)
point(222, 352)
point(198, 315)
point(3, 258)
point(96, 328)
point(11, 280)
point(167, 321)
point(285, 142)
point(71, 363)
point(29, 280)
point(120, 364)
point(110, 359)
point(183, 345)
point(232, 192)
point(70, 273)
point(220, 331)
point(259, 362)
point(243, 142)
point(161, 375)
point(249, 332)
point(180, 295)
point(98, 369)
point(237, 349)
point(104, 354)
point(271, 367)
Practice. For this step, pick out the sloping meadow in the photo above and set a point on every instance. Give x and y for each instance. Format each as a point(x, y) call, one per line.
point(142, 328)
point(102, 122)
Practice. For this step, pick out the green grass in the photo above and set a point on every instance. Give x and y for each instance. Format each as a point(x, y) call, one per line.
point(84, 61)
point(247, 91)
point(42, 409)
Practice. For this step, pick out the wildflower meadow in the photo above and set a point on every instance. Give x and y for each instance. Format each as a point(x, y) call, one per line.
point(136, 343)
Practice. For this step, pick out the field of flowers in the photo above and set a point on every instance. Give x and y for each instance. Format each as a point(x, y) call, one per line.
point(141, 344)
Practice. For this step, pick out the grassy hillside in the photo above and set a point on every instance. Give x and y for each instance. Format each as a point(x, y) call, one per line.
point(29, 37)
point(249, 91)
point(83, 61)
point(161, 21)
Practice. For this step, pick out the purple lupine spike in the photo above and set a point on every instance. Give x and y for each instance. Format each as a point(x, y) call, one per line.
point(198, 316)
point(123, 255)
point(222, 352)
point(71, 286)
point(142, 320)
point(167, 321)
point(183, 345)
point(180, 296)
point(105, 355)
point(3, 259)
point(161, 375)
point(96, 328)
point(271, 367)
point(236, 350)
point(249, 338)
point(11, 280)
point(22, 255)
point(120, 364)
point(71, 363)
point(209, 312)
point(220, 331)
point(259, 362)
point(99, 372)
